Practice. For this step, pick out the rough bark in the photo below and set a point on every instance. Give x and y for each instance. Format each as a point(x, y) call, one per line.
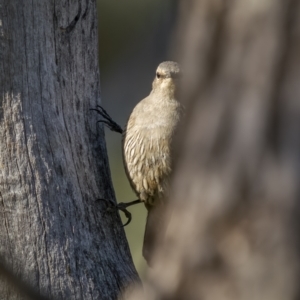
point(53, 164)
point(235, 198)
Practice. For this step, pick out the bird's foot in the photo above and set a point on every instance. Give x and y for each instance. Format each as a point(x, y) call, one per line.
point(122, 206)
point(107, 120)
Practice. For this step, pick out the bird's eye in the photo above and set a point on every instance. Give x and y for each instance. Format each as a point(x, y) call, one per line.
point(158, 75)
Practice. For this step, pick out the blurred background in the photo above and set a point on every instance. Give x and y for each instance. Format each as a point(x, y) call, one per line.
point(134, 37)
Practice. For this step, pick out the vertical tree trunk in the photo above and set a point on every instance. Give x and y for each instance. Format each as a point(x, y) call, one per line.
point(234, 228)
point(53, 162)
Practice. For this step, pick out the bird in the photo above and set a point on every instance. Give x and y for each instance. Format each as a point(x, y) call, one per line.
point(148, 152)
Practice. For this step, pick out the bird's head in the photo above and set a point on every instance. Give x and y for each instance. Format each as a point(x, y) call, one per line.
point(166, 79)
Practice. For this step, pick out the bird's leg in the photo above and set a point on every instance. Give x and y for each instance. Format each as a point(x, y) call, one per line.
point(122, 206)
point(108, 121)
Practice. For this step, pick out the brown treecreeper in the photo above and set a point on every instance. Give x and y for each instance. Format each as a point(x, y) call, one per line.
point(147, 148)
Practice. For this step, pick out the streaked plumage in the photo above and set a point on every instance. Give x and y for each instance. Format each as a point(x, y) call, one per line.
point(147, 144)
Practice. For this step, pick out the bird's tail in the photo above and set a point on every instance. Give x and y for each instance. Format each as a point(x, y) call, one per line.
point(154, 231)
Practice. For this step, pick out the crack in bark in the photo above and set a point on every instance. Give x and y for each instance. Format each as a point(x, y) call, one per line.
point(72, 25)
point(86, 9)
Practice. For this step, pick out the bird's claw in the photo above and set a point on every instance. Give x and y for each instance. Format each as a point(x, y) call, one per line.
point(120, 206)
point(108, 121)
point(126, 213)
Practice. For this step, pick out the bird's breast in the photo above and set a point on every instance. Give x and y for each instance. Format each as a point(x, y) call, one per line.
point(146, 152)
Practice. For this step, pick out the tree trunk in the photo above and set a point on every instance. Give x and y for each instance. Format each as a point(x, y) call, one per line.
point(235, 199)
point(53, 163)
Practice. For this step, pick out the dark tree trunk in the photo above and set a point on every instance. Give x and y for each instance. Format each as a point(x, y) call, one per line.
point(53, 164)
point(234, 231)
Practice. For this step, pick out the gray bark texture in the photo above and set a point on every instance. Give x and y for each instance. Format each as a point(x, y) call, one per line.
point(234, 229)
point(54, 235)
